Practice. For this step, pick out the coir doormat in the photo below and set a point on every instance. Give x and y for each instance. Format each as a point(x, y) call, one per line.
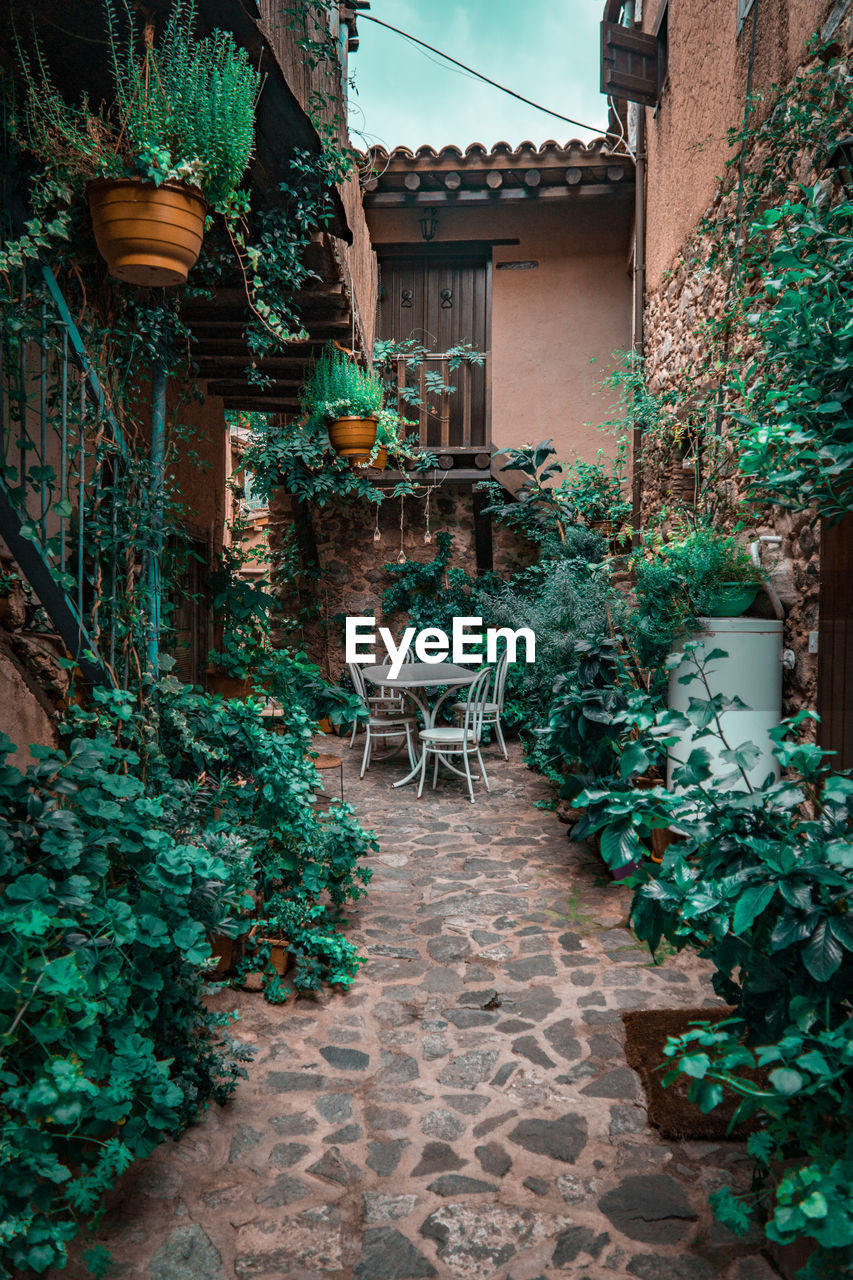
point(670, 1110)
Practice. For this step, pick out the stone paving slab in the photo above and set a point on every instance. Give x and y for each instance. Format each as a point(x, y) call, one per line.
point(465, 1111)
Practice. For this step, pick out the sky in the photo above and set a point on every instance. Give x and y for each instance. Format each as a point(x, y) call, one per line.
point(547, 50)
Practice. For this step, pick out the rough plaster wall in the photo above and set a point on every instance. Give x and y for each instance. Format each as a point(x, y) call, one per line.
point(687, 136)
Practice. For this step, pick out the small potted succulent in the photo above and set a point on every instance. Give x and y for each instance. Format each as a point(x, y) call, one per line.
point(347, 399)
point(173, 143)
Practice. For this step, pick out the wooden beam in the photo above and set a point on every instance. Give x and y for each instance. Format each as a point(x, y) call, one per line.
point(251, 403)
point(586, 190)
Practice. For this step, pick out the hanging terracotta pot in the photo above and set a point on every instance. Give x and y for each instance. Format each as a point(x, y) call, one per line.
point(353, 438)
point(148, 235)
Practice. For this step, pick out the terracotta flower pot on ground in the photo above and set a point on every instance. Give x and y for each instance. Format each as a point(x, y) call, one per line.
point(280, 956)
point(353, 438)
point(148, 235)
point(222, 950)
point(228, 686)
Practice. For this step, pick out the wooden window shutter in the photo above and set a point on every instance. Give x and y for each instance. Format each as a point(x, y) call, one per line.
point(629, 64)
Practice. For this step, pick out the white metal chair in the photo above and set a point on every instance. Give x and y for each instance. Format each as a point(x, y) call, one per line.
point(383, 701)
point(463, 739)
point(382, 723)
point(493, 709)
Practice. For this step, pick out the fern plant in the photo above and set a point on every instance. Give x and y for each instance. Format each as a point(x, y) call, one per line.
point(339, 387)
point(182, 109)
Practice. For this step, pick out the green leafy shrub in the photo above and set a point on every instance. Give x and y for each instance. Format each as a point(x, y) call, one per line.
point(105, 910)
point(431, 593)
point(119, 858)
point(760, 883)
point(595, 491)
point(182, 110)
point(563, 602)
point(799, 1090)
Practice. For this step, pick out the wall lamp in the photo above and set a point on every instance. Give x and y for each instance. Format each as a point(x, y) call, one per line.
point(428, 224)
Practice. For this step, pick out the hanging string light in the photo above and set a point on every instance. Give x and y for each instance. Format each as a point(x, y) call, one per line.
point(401, 558)
point(376, 534)
point(427, 533)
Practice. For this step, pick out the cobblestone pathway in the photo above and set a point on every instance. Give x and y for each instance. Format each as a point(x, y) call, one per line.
point(466, 1110)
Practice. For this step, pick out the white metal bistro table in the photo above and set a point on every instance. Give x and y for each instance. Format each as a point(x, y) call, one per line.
point(416, 677)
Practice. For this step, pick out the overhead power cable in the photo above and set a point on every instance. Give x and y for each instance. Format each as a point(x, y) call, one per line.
point(366, 17)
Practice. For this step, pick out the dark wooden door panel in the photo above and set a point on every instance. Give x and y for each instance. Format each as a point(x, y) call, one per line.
point(442, 302)
point(835, 642)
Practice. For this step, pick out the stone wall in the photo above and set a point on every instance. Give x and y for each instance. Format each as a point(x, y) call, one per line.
point(690, 296)
point(350, 557)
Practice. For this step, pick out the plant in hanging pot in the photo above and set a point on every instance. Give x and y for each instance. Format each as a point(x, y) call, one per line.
point(347, 399)
point(173, 143)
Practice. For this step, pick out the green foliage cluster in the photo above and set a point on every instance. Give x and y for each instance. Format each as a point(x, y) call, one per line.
point(760, 882)
point(553, 512)
point(420, 385)
point(182, 110)
point(596, 491)
point(795, 429)
point(297, 456)
point(431, 593)
point(119, 860)
point(563, 602)
point(680, 580)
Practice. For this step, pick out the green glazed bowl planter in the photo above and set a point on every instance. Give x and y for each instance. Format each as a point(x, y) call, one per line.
point(734, 599)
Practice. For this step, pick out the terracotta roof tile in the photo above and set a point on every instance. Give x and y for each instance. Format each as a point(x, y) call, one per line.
point(476, 150)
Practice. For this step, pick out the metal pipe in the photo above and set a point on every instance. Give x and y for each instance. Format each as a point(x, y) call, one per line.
point(769, 539)
point(43, 424)
point(155, 551)
point(81, 497)
point(638, 300)
point(63, 445)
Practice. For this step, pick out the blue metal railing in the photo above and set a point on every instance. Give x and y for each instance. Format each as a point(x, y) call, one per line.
point(64, 476)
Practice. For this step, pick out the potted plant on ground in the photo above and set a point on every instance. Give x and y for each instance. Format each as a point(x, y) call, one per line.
point(347, 399)
point(596, 495)
point(174, 142)
point(697, 573)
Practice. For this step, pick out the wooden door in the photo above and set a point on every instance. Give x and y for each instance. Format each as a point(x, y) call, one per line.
point(835, 642)
point(442, 299)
